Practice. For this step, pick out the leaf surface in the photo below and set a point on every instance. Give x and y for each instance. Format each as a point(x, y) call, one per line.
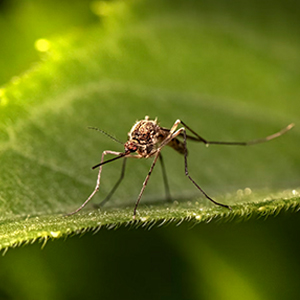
point(227, 80)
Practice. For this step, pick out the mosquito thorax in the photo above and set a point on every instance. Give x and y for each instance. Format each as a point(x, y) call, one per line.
point(145, 135)
point(144, 131)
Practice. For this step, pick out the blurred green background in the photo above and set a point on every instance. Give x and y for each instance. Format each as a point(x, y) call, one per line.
point(247, 73)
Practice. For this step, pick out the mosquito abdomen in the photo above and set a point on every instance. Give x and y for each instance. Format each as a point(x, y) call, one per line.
point(177, 145)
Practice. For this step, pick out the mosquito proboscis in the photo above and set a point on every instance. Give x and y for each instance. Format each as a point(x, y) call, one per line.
point(146, 139)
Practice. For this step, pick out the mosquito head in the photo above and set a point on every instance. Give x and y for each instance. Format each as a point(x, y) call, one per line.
point(131, 146)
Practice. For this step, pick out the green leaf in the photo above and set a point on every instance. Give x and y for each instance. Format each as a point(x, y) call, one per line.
point(227, 80)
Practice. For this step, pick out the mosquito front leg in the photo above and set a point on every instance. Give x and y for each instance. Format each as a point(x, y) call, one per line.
point(115, 186)
point(98, 182)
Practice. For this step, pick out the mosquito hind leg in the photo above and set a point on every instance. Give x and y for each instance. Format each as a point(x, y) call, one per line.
point(182, 131)
point(192, 180)
point(198, 138)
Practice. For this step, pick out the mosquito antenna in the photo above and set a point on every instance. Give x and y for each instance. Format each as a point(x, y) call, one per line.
point(107, 134)
point(109, 160)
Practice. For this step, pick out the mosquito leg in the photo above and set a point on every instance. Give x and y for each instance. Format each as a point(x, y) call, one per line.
point(191, 179)
point(115, 186)
point(166, 141)
point(166, 184)
point(97, 184)
point(173, 135)
point(252, 142)
point(145, 183)
point(199, 138)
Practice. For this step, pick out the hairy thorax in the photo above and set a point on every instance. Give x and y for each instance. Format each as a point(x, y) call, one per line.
point(145, 137)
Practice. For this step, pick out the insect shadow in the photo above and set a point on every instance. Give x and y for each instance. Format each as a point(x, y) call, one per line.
point(146, 139)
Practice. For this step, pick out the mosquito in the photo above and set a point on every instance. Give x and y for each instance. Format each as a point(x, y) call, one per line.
point(146, 139)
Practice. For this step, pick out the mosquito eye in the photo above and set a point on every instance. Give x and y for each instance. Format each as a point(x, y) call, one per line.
point(131, 147)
